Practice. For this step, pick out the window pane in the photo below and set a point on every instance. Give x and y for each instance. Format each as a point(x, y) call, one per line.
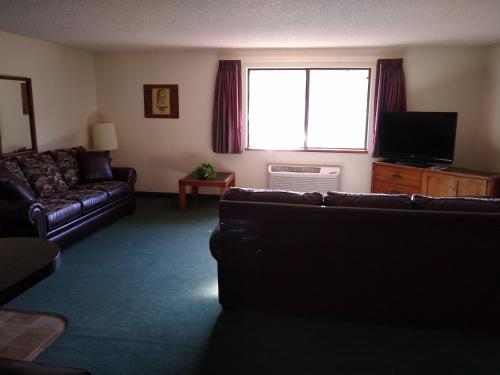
point(276, 109)
point(337, 108)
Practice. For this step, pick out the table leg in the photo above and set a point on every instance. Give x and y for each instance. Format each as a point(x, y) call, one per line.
point(194, 191)
point(182, 197)
point(231, 183)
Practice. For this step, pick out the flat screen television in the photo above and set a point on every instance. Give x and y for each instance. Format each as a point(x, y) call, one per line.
point(418, 137)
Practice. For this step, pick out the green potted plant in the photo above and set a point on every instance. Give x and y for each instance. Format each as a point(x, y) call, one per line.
point(205, 172)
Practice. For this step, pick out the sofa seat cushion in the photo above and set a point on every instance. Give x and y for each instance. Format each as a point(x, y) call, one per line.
point(89, 199)
point(67, 163)
point(43, 174)
point(114, 189)
point(394, 201)
point(273, 196)
point(468, 204)
point(58, 211)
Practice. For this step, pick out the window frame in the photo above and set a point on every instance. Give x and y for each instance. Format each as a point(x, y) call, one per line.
point(307, 70)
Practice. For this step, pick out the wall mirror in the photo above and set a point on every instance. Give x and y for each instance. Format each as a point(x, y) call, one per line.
point(17, 118)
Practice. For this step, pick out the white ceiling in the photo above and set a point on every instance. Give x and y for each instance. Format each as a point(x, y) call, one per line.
point(102, 25)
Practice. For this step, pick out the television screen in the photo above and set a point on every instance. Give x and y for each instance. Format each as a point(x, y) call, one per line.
point(427, 137)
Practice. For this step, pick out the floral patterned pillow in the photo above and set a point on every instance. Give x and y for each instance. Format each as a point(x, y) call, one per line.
point(12, 167)
point(68, 165)
point(43, 174)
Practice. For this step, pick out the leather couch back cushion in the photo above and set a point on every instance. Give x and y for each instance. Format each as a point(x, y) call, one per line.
point(395, 201)
point(273, 196)
point(470, 204)
point(67, 163)
point(43, 174)
point(95, 166)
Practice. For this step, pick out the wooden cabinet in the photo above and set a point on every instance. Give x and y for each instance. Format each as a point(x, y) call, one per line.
point(471, 187)
point(445, 185)
point(394, 178)
point(438, 185)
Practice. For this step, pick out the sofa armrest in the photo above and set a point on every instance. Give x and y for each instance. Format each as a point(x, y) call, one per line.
point(22, 218)
point(215, 243)
point(15, 187)
point(125, 174)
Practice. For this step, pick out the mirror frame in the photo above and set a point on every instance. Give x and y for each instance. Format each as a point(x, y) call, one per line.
point(29, 92)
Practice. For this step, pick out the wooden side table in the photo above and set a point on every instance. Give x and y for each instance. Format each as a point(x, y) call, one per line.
point(223, 180)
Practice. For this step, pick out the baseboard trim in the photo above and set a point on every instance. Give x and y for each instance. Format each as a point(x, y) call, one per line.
point(174, 195)
point(156, 194)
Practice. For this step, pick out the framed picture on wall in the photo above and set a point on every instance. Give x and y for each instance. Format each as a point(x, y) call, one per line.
point(161, 101)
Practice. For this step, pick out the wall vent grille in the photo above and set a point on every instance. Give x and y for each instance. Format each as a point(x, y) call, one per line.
point(304, 178)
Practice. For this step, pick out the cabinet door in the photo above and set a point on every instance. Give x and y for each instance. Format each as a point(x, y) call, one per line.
point(471, 187)
point(439, 185)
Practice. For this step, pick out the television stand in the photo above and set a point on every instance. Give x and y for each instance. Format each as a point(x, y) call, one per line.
point(418, 164)
point(409, 163)
point(394, 178)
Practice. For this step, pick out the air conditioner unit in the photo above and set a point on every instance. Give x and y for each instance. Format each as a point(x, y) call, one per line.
point(304, 178)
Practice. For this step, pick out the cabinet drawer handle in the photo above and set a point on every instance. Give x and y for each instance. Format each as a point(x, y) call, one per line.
point(395, 175)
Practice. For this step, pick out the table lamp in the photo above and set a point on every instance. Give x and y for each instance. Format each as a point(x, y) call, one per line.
point(104, 136)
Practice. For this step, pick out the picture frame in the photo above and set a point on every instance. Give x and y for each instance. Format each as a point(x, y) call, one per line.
point(161, 101)
point(25, 99)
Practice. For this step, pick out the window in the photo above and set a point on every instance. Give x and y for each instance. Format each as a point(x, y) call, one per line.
point(308, 109)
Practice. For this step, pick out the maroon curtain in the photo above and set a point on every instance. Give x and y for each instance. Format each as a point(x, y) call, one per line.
point(227, 117)
point(390, 93)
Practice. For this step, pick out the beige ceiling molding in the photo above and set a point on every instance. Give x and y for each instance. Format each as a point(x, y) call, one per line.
point(330, 55)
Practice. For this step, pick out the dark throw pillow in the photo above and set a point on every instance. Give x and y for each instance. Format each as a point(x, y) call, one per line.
point(95, 166)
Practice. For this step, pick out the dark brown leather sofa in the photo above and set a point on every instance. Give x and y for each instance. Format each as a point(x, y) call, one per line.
point(49, 195)
point(390, 258)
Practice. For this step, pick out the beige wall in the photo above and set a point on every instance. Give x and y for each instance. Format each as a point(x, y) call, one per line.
point(162, 150)
point(64, 90)
point(489, 138)
point(66, 98)
point(450, 79)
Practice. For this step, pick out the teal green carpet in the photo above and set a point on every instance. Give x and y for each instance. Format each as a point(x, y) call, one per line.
point(140, 296)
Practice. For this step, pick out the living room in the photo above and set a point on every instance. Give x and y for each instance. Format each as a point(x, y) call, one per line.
point(88, 64)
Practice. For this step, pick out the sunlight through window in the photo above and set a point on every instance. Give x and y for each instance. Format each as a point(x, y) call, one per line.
point(337, 109)
point(335, 100)
point(276, 109)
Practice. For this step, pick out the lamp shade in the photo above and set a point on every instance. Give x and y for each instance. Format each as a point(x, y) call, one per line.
point(104, 136)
